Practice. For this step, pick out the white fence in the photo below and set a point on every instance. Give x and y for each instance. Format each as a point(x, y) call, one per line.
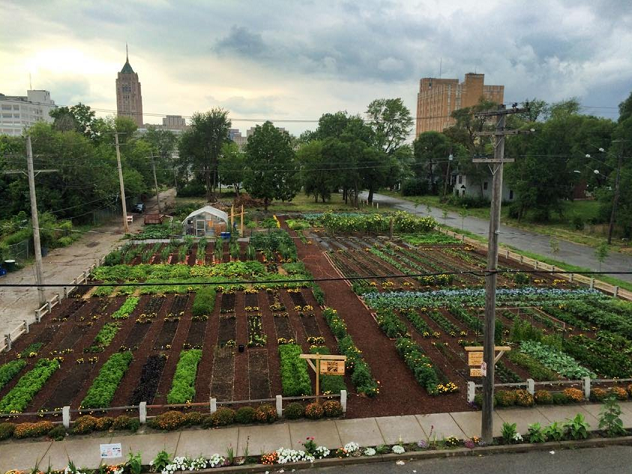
point(46, 308)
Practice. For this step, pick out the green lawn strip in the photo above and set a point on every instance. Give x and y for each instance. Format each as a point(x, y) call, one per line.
point(27, 387)
point(104, 337)
point(294, 373)
point(127, 308)
point(104, 386)
point(10, 370)
point(328, 383)
point(183, 384)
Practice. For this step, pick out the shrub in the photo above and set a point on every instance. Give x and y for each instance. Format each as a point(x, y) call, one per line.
point(560, 398)
point(193, 418)
point(554, 432)
point(505, 398)
point(535, 434)
point(124, 422)
point(510, 433)
point(57, 433)
point(577, 428)
point(574, 394)
point(619, 392)
point(543, 397)
point(266, 414)
point(610, 418)
point(207, 422)
point(223, 417)
point(598, 394)
point(630, 389)
point(104, 423)
point(314, 411)
point(32, 430)
point(245, 415)
point(204, 301)
point(183, 385)
point(171, 420)
point(294, 411)
point(332, 408)
point(6, 430)
point(84, 425)
point(524, 398)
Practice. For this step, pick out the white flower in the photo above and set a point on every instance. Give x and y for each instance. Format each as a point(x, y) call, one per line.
point(198, 463)
point(351, 447)
point(517, 437)
point(370, 452)
point(292, 455)
point(216, 460)
point(397, 449)
point(321, 452)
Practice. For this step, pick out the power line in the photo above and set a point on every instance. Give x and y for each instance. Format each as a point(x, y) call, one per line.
point(317, 280)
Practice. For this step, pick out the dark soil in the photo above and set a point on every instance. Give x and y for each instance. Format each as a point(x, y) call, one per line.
point(258, 374)
point(310, 325)
point(195, 337)
point(227, 331)
point(223, 374)
point(149, 380)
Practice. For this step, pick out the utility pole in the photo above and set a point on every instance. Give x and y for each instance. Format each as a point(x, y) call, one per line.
point(615, 202)
point(120, 173)
point(39, 272)
point(489, 353)
point(153, 167)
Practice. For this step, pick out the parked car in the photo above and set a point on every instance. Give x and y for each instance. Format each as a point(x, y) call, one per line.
point(140, 208)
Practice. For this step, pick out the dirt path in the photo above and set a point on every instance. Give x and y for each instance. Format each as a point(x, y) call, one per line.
point(62, 266)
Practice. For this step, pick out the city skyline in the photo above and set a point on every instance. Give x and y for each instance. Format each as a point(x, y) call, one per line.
point(341, 59)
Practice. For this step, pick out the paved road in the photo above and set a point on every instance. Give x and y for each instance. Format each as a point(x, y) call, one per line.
point(586, 461)
point(61, 266)
point(571, 253)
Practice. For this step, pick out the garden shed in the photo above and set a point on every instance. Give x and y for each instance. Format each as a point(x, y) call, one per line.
point(205, 221)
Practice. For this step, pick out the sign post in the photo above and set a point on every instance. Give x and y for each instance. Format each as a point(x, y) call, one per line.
point(478, 367)
point(325, 364)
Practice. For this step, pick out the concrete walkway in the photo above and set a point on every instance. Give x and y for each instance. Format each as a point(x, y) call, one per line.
point(62, 266)
point(570, 253)
point(258, 439)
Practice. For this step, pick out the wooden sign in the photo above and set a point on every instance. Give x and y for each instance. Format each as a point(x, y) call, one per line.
point(475, 358)
point(332, 367)
point(475, 373)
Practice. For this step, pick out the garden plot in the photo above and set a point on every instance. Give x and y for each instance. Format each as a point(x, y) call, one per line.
point(258, 374)
point(223, 378)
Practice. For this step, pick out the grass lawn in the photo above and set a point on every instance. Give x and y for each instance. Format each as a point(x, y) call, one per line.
point(561, 228)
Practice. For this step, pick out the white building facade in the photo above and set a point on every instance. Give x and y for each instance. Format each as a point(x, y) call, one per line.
point(18, 113)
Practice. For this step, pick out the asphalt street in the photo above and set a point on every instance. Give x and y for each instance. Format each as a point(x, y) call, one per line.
point(585, 461)
point(570, 253)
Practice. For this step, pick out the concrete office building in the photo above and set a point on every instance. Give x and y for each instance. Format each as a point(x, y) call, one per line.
point(438, 98)
point(20, 112)
point(129, 99)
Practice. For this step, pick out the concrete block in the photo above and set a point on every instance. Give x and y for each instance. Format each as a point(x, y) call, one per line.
point(470, 423)
point(325, 433)
point(363, 431)
point(396, 428)
point(83, 451)
point(263, 439)
point(194, 443)
point(148, 445)
point(13, 454)
point(440, 425)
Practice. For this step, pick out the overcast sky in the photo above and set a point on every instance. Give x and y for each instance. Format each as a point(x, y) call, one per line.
point(297, 59)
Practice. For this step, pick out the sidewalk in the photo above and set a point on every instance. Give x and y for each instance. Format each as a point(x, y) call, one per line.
point(84, 451)
point(61, 266)
point(569, 252)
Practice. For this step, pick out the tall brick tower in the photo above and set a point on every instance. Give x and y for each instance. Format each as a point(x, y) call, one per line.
point(129, 100)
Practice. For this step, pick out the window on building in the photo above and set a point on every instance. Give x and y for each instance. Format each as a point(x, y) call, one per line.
point(485, 186)
point(6, 107)
point(511, 194)
point(460, 179)
point(16, 107)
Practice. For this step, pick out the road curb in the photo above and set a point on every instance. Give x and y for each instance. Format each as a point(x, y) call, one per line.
point(429, 454)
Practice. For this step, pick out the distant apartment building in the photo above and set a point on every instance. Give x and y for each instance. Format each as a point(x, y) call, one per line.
point(174, 122)
point(20, 112)
point(129, 99)
point(235, 135)
point(438, 98)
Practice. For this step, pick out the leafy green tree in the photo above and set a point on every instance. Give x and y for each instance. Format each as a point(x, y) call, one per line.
point(272, 171)
point(201, 146)
point(391, 122)
point(317, 174)
point(431, 151)
point(78, 118)
point(163, 144)
point(232, 164)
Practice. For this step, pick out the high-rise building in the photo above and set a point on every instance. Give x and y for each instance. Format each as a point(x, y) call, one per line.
point(19, 112)
point(129, 100)
point(438, 98)
point(174, 122)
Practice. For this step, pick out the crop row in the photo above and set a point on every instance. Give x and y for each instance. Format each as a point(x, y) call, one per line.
point(28, 386)
point(421, 365)
point(104, 386)
point(183, 384)
point(294, 375)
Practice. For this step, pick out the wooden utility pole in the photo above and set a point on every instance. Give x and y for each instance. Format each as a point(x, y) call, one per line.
point(496, 167)
point(153, 167)
point(30, 173)
point(615, 202)
point(120, 173)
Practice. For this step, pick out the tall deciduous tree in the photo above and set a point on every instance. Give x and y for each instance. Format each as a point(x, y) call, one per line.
point(272, 171)
point(201, 145)
point(232, 164)
point(391, 122)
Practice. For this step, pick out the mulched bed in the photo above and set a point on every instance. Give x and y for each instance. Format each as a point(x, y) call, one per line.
point(167, 333)
point(283, 327)
point(228, 303)
point(223, 377)
point(136, 335)
point(68, 388)
point(252, 300)
point(227, 329)
point(310, 325)
point(297, 298)
point(147, 386)
point(258, 374)
point(195, 336)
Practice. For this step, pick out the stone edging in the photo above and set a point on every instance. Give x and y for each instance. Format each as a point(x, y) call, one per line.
point(428, 454)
